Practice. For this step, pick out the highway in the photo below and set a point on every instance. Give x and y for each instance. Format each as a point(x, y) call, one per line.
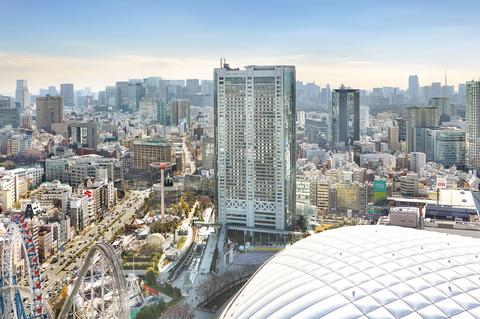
point(72, 258)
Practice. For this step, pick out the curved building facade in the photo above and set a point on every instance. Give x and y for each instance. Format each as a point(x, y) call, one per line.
point(366, 272)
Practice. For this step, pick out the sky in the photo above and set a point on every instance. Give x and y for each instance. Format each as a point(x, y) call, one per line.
point(361, 44)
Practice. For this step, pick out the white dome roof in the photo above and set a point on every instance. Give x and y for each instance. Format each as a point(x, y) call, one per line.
point(156, 240)
point(366, 272)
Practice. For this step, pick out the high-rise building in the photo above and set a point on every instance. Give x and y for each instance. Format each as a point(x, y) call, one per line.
point(254, 111)
point(419, 119)
point(52, 90)
point(66, 90)
point(413, 87)
point(6, 102)
point(450, 147)
point(122, 95)
point(393, 139)
point(418, 161)
point(436, 89)
point(345, 117)
point(147, 109)
point(9, 115)
point(207, 86)
point(22, 95)
point(447, 111)
point(180, 111)
point(316, 131)
point(148, 151)
point(364, 118)
point(83, 133)
point(136, 91)
point(111, 97)
point(193, 86)
point(161, 112)
point(472, 112)
point(49, 111)
point(401, 123)
point(26, 120)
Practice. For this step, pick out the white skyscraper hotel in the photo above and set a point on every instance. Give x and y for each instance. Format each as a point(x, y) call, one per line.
point(472, 112)
point(255, 147)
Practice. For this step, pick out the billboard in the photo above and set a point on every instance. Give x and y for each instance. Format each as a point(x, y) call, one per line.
point(379, 190)
point(441, 183)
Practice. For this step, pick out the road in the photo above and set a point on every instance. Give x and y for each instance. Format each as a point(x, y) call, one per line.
point(189, 166)
point(76, 249)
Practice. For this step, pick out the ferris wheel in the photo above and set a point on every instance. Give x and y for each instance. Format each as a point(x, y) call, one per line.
point(20, 297)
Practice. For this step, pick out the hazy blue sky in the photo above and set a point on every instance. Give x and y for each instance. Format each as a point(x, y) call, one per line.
point(360, 43)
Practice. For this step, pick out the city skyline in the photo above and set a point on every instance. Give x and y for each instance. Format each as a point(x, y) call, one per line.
point(370, 45)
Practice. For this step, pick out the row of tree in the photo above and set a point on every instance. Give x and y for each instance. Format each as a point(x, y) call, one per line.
point(218, 282)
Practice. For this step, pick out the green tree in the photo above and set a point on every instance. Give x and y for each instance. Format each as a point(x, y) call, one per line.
point(184, 206)
point(151, 276)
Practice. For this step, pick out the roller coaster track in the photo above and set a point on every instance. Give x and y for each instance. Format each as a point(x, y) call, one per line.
point(118, 308)
point(99, 291)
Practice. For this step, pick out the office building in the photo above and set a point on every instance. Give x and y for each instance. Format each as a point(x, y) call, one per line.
point(418, 120)
point(33, 175)
point(18, 144)
point(393, 140)
point(22, 96)
point(53, 193)
point(136, 92)
point(111, 97)
point(74, 170)
point(9, 191)
point(320, 194)
point(147, 109)
point(180, 112)
point(316, 131)
point(364, 118)
point(418, 161)
point(84, 134)
point(413, 87)
point(6, 102)
point(102, 193)
point(208, 152)
point(148, 151)
point(9, 115)
point(193, 86)
point(26, 120)
point(80, 208)
point(254, 113)
point(401, 123)
point(472, 119)
point(409, 184)
point(66, 90)
point(49, 112)
point(351, 196)
point(446, 111)
point(161, 113)
point(450, 148)
point(122, 95)
point(345, 117)
point(52, 90)
point(436, 89)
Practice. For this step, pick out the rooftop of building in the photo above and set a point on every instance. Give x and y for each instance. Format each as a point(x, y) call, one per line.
point(366, 272)
point(152, 141)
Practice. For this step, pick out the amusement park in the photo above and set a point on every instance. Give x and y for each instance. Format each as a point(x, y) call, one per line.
point(141, 258)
